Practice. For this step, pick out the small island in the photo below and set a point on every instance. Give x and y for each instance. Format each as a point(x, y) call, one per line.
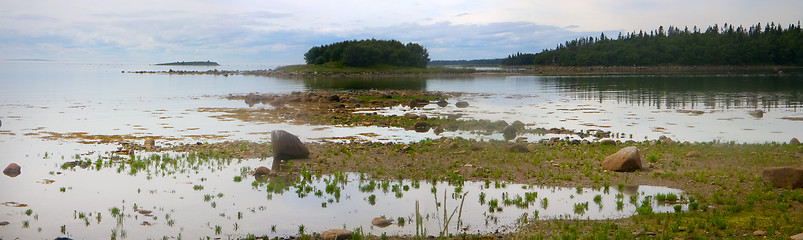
point(196, 63)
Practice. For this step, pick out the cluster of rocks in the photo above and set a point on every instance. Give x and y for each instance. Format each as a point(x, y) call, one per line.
point(379, 98)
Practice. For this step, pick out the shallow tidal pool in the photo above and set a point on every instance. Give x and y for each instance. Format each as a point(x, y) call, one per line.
point(188, 195)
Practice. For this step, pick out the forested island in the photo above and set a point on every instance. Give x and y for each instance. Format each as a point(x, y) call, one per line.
point(728, 45)
point(196, 63)
point(368, 53)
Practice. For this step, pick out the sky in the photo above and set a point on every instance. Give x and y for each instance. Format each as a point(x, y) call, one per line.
point(280, 32)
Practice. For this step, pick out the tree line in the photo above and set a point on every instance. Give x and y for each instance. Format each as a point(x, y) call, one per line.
point(727, 45)
point(364, 53)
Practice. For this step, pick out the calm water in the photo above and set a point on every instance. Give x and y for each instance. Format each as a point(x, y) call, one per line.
point(99, 99)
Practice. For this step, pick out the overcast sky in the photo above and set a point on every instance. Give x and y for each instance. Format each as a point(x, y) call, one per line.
point(280, 32)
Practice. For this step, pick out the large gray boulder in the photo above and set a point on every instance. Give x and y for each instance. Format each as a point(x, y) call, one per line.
point(12, 170)
point(625, 160)
point(784, 177)
point(287, 146)
point(509, 132)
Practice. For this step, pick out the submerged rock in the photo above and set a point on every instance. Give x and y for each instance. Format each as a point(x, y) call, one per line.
point(421, 126)
point(12, 170)
point(461, 104)
point(784, 177)
point(381, 222)
point(336, 234)
point(443, 103)
point(625, 160)
point(287, 146)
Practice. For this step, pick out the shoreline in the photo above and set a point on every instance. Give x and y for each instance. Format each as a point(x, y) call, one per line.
point(508, 71)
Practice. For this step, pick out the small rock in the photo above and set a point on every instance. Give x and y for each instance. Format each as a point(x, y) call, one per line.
point(150, 144)
point(518, 147)
point(144, 212)
point(760, 233)
point(336, 234)
point(693, 154)
point(287, 146)
point(461, 104)
point(784, 177)
point(3, 223)
point(665, 140)
point(437, 130)
point(443, 103)
point(794, 141)
point(12, 170)
point(381, 222)
point(334, 98)
point(626, 159)
point(509, 132)
point(421, 126)
point(261, 171)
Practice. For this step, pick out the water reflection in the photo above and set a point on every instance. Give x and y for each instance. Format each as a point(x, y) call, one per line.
point(681, 92)
point(348, 83)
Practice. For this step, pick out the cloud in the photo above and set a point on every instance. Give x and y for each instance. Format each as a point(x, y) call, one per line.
point(245, 31)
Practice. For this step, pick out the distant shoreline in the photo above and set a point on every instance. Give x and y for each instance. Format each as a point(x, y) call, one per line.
point(195, 63)
point(309, 71)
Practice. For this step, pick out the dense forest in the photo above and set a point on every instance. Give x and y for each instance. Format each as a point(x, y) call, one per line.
point(728, 45)
point(372, 52)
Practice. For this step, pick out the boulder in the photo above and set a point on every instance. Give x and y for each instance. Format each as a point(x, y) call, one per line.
point(421, 126)
point(518, 124)
point(693, 154)
point(625, 160)
point(336, 234)
point(334, 98)
point(461, 104)
point(794, 141)
point(261, 171)
point(443, 103)
point(12, 170)
point(784, 177)
point(509, 132)
point(381, 222)
point(798, 236)
point(287, 146)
